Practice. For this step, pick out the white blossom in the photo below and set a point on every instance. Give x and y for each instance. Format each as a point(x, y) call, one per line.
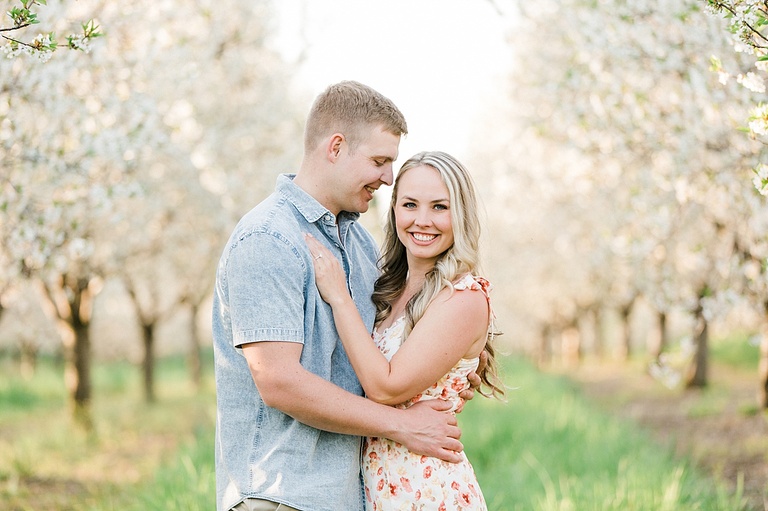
point(752, 81)
point(81, 42)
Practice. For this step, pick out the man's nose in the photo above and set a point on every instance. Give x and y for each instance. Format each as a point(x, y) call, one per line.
point(386, 176)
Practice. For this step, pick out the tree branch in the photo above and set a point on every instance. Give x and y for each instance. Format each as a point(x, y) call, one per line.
point(18, 42)
point(15, 28)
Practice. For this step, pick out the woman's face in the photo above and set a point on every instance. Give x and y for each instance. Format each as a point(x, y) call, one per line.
point(423, 214)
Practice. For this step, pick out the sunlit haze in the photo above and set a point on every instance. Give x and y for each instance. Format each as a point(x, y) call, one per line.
point(438, 60)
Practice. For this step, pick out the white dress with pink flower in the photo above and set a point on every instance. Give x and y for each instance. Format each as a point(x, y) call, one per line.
point(397, 479)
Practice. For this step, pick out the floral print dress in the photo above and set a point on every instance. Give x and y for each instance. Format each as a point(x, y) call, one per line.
point(397, 479)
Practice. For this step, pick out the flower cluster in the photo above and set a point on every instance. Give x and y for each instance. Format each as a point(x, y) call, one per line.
point(80, 42)
point(752, 81)
point(84, 40)
point(747, 20)
point(758, 121)
point(43, 45)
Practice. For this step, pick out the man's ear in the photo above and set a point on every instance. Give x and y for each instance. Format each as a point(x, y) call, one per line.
point(334, 146)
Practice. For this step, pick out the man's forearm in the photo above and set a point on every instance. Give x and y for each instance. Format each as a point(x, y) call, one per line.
point(285, 385)
point(318, 403)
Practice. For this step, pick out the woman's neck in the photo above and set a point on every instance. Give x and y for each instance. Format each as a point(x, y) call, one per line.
point(415, 279)
point(413, 284)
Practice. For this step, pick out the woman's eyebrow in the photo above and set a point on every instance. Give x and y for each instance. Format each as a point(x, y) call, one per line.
point(412, 199)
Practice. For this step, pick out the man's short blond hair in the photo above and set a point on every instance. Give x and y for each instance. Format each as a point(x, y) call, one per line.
point(349, 108)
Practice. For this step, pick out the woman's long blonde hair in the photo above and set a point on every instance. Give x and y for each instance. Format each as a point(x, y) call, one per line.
point(460, 259)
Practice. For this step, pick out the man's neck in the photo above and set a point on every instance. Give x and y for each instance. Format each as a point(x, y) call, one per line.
point(308, 181)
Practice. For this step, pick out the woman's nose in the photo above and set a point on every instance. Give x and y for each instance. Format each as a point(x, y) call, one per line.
point(423, 217)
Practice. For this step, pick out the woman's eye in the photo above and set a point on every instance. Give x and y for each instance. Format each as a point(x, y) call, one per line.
point(441, 207)
point(409, 205)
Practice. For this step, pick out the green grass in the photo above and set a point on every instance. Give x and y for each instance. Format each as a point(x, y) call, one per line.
point(546, 449)
point(738, 351)
point(549, 449)
point(43, 389)
point(48, 462)
point(186, 484)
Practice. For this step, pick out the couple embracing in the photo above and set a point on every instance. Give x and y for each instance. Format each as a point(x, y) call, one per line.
point(319, 342)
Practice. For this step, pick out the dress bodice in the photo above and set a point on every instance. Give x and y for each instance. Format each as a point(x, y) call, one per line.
point(396, 478)
point(448, 387)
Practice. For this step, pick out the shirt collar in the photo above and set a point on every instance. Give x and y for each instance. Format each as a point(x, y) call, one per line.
point(308, 205)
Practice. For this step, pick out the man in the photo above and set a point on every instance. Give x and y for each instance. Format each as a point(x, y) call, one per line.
point(290, 411)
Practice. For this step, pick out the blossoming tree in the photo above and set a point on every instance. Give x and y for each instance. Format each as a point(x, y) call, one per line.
point(98, 155)
point(224, 156)
point(617, 121)
point(69, 149)
point(747, 21)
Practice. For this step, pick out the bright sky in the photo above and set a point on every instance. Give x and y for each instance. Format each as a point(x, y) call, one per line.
point(438, 60)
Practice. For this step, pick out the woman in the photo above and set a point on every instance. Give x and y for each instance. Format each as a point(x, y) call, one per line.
point(433, 321)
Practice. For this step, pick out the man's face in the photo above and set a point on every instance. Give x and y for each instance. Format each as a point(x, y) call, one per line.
point(361, 171)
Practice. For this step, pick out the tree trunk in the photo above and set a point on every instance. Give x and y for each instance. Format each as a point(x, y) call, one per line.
point(545, 346)
point(625, 347)
point(697, 371)
point(659, 344)
point(28, 350)
point(599, 344)
point(193, 360)
point(148, 364)
point(148, 320)
point(82, 369)
point(762, 393)
point(72, 303)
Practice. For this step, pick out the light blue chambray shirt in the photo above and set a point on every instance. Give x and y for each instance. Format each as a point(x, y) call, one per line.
point(265, 291)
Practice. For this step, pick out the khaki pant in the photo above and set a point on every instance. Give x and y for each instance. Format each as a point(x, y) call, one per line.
point(261, 505)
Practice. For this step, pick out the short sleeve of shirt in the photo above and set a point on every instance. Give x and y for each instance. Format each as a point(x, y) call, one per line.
point(266, 286)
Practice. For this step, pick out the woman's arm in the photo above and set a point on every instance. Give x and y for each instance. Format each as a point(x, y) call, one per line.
point(453, 327)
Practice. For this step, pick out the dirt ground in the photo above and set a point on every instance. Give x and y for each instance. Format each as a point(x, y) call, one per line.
point(719, 427)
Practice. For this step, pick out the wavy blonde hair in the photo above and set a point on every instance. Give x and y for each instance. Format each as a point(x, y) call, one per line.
point(461, 258)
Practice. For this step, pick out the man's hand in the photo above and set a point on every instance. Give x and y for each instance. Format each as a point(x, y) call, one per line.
point(474, 382)
point(430, 430)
